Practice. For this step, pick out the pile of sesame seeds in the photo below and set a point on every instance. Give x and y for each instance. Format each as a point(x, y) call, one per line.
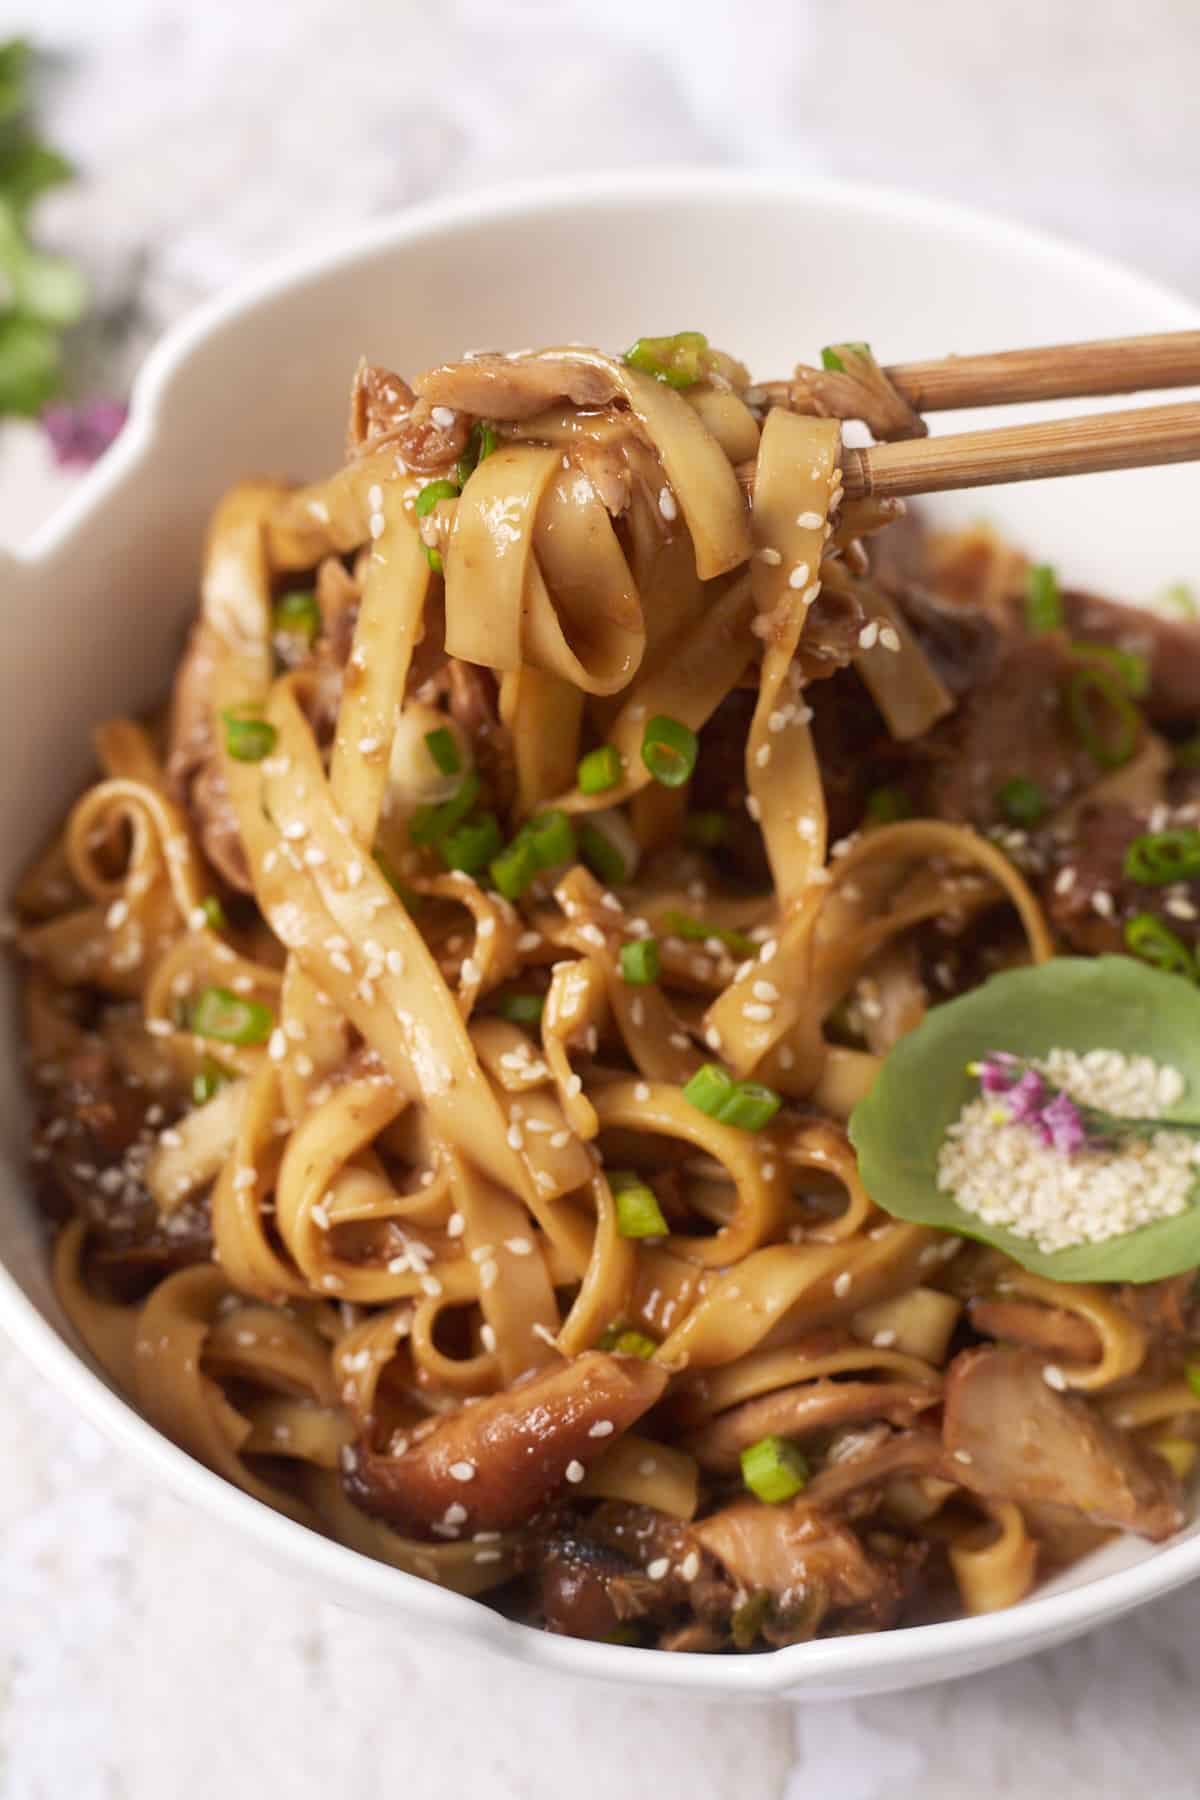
point(1003, 1174)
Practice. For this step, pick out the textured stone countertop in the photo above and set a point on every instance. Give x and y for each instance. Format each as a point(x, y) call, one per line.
point(143, 1654)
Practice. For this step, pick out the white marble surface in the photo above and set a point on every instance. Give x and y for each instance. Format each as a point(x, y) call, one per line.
point(142, 1654)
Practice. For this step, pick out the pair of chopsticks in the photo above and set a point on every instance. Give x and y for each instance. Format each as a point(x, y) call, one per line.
point(1140, 437)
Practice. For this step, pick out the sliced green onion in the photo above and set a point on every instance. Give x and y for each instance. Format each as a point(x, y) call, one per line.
point(297, 614)
point(750, 1106)
point(1146, 936)
point(831, 355)
point(1023, 802)
point(553, 839)
point(1043, 602)
point(442, 746)
point(599, 770)
point(1086, 687)
point(1191, 1375)
point(627, 1343)
point(480, 444)
point(471, 846)
point(430, 494)
point(522, 1009)
point(774, 1469)
point(699, 931)
point(885, 805)
point(680, 361)
point(601, 855)
point(206, 1082)
point(248, 736)
point(748, 1619)
point(429, 823)
point(638, 1213)
point(1159, 857)
point(1133, 672)
point(669, 750)
point(515, 869)
point(434, 559)
point(219, 1013)
point(640, 962)
point(214, 913)
point(705, 830)
point(709, 1089)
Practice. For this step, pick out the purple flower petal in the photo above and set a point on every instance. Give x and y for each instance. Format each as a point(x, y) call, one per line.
point(1064, 1125)
point(79, 434)
point(1026, 1098)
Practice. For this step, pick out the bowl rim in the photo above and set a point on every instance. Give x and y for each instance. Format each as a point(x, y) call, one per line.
point(927, 1652)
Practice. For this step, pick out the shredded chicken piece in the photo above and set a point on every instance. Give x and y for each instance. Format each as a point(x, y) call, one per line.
point(1011, 1436)
point(859, 390)
point(516, 387)
point(491, 1465)
point(789, 1550)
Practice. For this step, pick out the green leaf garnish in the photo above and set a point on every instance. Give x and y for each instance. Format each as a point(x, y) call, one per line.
point(1076, 1003)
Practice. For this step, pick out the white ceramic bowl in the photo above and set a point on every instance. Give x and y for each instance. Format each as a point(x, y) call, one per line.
point(770, 267)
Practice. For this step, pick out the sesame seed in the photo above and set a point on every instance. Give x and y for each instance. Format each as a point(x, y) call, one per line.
point(841, 1286)
point(798, 576)
point(771, 557)
point(666, 504)
point(963, 1456)
point(443, 417)
point(660, 1567)
point(601, 1429)
point(575, 1470)
point(462, 1471)
point(868, 635)
point(641, 1091)
point(809, 521)
point(883, 1340)
point(1053, 1376)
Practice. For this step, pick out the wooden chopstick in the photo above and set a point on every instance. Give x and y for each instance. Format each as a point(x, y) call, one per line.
point(1060, 372)
point(1139, 437)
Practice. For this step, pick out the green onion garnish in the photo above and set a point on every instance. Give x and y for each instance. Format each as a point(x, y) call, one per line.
point(248, 736)
point(1191, 1375)
point(709, 1088)
point(1113, 748)
point(640, 962)
point(434, 559)
point(599, 770)
point(1023, 802)
point(1133, 672)
point(705, 830)
point(638, 1213)
point(669, 750)
point(522, 1009)
point(430, 494)
point(680, 361)
point(699, 931)
point(885, 805)
point(472, 845)
point(515, 868)
point(429, 823)
point(206, 1082)
point(480, 444)
point(296, 614)
point(443, 748)
point(1146, 936)
point(748, 1105)
point(214, 913)
point(601, 854)
point(1159, 857)
point(831, 355)
point(1043, 602)
point(553, 838)
point(627, 1343)
point(774, 1469)
point(219, 1013)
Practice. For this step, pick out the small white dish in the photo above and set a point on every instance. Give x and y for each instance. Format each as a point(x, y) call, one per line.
point(770, 267)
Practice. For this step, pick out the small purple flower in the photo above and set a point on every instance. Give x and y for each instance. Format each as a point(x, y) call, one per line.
point(996, 1071)
point(1026, 1098)
point(1063, 1125)
point(80, 434)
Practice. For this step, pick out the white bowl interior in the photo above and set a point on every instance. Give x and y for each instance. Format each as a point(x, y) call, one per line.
point(770, 270)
